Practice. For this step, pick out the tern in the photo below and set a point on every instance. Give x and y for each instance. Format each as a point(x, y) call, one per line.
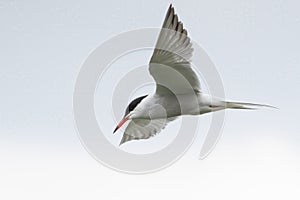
point(177, 86)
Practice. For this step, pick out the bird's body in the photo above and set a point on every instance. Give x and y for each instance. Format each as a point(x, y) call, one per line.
point(157, 106)
point(177, 86)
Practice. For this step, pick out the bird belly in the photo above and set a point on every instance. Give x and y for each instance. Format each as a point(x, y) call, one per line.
point(176, 105)
point(166, 106)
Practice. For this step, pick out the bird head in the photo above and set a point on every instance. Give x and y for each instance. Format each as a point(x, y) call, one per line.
point(129, 112)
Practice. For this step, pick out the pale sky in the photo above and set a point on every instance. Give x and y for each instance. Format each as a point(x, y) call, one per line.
point(254, 45)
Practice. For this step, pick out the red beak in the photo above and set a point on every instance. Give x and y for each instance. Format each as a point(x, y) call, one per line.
point(121, 123)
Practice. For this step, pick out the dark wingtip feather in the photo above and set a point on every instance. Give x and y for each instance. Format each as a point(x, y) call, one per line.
point(126, 138)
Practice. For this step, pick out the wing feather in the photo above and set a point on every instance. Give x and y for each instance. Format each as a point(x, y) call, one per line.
point(174, 50)
point(144, 128)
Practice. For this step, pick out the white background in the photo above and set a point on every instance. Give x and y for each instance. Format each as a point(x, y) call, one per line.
point(255, 46)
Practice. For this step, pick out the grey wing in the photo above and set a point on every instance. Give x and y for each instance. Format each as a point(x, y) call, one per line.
point(170, 63)
point(144, 128)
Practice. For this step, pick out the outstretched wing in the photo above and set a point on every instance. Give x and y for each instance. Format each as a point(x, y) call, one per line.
point(144, 128)
point(170, 62)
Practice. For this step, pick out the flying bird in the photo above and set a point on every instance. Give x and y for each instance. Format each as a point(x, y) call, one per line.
point(178, 90)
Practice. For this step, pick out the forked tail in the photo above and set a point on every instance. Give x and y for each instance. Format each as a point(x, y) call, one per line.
point(240, 105)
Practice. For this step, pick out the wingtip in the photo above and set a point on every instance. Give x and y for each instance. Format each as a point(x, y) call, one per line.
point(171, 7)
point(126, 138)
point(122, 142)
